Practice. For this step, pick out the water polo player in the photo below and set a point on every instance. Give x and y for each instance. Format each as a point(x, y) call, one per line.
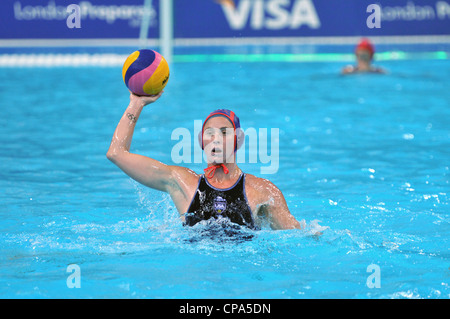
point(223, 191)
point(364, 53)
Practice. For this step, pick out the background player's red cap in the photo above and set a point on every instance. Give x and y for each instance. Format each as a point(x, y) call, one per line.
point(365, 45)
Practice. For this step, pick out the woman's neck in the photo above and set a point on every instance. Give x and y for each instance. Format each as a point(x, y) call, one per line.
point(223, 176)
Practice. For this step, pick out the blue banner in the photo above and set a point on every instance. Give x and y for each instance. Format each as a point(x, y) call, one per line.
point(121, 19)
point(51, 19)
point(293, 18)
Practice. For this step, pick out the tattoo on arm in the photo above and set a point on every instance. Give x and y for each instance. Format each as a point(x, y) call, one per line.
point(132, 117)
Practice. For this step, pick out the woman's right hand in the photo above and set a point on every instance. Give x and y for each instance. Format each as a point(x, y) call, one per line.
point(144, 100)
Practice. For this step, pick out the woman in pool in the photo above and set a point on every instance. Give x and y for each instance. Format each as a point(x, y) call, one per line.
point(364, 52)
point(224, 191)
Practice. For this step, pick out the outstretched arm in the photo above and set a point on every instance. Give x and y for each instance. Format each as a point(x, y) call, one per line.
point(145, 170)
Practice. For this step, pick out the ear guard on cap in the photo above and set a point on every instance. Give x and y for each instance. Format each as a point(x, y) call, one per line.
point(239, 139)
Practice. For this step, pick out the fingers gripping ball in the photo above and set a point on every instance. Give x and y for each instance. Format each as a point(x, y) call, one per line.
point(145, 72)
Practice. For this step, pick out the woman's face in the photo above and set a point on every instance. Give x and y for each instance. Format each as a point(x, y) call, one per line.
point(218, 140)
point(363, 55)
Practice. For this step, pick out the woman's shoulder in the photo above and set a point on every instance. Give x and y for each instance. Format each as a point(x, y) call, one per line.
point(348, 69)
point(184, 174)
point(260, 185)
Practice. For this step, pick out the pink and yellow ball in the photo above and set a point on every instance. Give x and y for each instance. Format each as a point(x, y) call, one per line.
point(145, 72)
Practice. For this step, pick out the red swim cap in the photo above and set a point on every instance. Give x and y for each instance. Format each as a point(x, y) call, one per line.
point(232, 117)
point(365, 45)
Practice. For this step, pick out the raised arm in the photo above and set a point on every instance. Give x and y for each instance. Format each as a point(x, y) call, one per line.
point(145, 170)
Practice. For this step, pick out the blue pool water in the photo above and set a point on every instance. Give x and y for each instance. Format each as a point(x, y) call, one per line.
point(365, 156)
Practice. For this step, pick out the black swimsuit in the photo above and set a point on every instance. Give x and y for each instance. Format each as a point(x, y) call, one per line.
point(210, 202)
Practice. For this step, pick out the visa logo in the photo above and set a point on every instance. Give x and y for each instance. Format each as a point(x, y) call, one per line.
point(271, 14)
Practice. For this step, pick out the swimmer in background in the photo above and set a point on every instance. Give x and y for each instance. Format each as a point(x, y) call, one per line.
point(223, 192)
point(364, 52)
